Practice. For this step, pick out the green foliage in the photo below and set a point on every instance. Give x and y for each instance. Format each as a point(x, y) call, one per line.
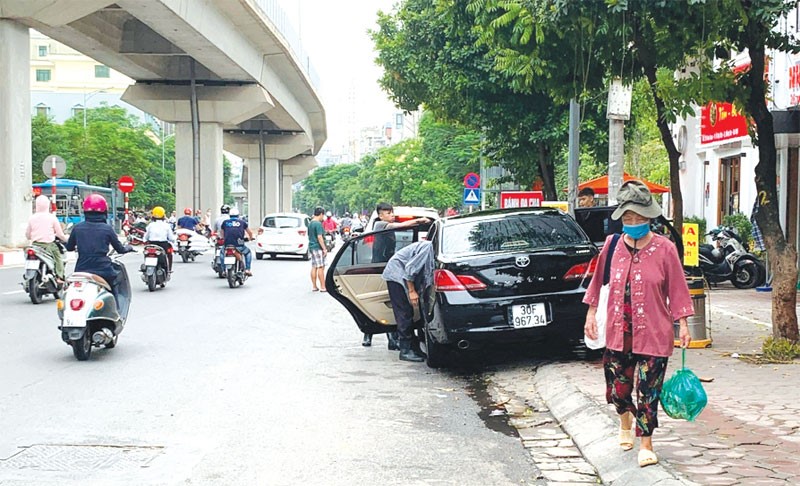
point(701, 224)
point(426, 171)
point(741, 224)
point(780, 349)
point(113, 143)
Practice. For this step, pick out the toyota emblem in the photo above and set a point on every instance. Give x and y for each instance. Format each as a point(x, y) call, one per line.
point(523, 261)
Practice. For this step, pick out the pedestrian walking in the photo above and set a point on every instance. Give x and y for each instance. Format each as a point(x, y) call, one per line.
point(316, 247)
point(408, 275)
point(647, 293)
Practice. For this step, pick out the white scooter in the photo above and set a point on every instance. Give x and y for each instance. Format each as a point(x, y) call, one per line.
point(189, 244)
point(90, 315)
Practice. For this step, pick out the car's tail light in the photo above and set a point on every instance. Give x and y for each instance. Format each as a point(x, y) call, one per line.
point(581, 270)
point(447, 281)
point(261, 231)
point(302, 232)
point(76, 304)
point(31, 254)
point(368, 240)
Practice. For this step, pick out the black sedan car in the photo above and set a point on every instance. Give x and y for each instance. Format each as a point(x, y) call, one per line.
point(500, 276)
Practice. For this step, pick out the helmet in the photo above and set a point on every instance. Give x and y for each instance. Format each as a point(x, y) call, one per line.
point(95, 203)
point(234, 212)
point(187, 211)
point(158, 212)
point(328, 214)
point(225, 209)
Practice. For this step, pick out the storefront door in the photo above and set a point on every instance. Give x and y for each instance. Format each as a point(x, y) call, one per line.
point(729, 178)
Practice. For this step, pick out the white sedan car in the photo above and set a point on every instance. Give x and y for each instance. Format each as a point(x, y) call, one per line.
point(283, 234)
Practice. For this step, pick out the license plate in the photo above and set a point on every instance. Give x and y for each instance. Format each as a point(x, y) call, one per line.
point(151, 261)
point(31, 264)
point(183, 243)
point(230, 260)
point(73, 323)
point(528, 315)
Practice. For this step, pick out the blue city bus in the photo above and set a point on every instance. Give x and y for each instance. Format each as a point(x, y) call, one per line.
point(70, 194)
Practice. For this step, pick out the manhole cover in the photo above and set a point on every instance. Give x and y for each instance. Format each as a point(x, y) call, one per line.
point(81, 458)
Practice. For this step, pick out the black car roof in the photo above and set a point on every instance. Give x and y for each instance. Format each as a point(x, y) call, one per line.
point(494, 213)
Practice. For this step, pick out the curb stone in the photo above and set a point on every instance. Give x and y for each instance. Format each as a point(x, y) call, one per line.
point(595, 432)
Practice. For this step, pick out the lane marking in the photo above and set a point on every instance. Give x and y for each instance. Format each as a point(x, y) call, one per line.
point(14, 292)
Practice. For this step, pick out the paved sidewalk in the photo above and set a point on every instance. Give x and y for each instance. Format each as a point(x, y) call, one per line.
point(749, 434)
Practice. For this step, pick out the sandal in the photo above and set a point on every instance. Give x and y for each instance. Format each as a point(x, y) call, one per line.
point(647, 458)
point(626, 436)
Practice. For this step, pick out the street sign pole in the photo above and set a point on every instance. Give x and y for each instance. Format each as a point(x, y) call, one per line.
point(53, 173)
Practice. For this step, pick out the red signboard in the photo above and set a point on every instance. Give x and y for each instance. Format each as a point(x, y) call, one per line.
point(720, 122)
point(521, 199)
point(126, 184)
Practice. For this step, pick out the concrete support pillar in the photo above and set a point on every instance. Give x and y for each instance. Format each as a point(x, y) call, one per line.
point(255, 202)
point(262, 188)
point(15, 132)
point(198, 187)
point(286, 193)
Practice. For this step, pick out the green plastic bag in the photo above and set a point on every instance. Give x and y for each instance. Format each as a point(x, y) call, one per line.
point(683, 396)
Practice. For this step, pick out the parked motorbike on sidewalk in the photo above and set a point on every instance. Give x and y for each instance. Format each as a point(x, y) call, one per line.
point(90, 315)
point(234, 267)
point(40, 276)
point(155, 269)
point(728, 259)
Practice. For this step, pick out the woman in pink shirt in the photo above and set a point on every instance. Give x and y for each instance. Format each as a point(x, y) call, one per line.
point(647, 293)
point(43, 229)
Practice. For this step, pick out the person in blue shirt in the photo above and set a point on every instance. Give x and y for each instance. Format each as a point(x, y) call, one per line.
point(92, 238)
point(233, 231)
point(188, 221)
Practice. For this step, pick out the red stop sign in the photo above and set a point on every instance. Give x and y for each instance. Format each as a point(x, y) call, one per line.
point(126, 184)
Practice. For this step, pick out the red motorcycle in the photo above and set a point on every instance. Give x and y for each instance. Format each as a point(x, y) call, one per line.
point(134, 233)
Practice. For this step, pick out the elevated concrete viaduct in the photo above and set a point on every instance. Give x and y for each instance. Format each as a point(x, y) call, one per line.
point(226, 72)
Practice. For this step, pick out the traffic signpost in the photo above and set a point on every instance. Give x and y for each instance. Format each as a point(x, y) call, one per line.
point(472, 197)
point(54, 166)
point(472, 181)
point(126, 184)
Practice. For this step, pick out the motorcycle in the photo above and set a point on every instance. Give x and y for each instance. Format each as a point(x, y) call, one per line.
point(155, 269)
point(190, 244)
point(216, 262)
point(40, 276)
point(234, 267)
point(345, 233)
point(134, 234)
point(728, 259)
point(330, 241)
point(90, 315)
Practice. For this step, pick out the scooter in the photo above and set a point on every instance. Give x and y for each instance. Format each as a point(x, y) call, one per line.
point(728, 259)
point(330, 241)
point(40, 276)
point(90, 315)
point(234, 267)
point(155, 269)
point(190, 244)
point(216, 262)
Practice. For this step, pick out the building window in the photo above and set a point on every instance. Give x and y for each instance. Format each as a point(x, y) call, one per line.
point(42, 110)
point(101, 71)
point(77, 110)
point(42, 51)
point(42, 75)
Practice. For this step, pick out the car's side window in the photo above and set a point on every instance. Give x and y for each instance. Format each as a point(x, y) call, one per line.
point(374, 250)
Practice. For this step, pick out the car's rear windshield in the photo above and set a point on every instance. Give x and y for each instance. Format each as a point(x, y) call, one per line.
point(517, 232)
point(281, 222)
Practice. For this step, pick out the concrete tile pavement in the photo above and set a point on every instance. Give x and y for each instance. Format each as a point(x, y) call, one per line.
point(749, 434)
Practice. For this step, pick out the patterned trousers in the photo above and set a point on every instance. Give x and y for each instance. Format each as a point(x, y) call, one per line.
point(619, 368)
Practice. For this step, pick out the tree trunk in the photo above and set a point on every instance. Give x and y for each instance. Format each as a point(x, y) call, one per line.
point(546, 171)
point(782, 255)
point(672, 151)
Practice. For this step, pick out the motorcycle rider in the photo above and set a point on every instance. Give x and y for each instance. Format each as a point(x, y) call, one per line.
point(92, 237)
point(187, 221)
point(43, 230)
point(225, 211)
point(329, 225)
point(233, 230)
point(159, 233)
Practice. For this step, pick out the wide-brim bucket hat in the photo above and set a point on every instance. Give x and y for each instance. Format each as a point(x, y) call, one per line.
point(635, 196)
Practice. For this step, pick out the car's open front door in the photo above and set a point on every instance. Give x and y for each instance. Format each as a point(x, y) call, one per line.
point(354, 277)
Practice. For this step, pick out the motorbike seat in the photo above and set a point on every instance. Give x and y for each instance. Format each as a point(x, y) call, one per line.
point(83, 276)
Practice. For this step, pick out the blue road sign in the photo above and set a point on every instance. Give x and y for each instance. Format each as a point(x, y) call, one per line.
point(472, 196)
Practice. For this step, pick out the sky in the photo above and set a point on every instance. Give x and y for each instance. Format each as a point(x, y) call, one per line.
point(334, 34)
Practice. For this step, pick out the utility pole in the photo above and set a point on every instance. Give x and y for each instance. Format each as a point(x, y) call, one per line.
point(619, 110)
point(574, 152)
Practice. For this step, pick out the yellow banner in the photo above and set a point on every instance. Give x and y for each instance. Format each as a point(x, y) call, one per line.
point(691, 244)
point(562, 205)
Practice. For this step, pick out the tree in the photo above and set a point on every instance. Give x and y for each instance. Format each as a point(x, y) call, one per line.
point(46, 139)
point(751, 26)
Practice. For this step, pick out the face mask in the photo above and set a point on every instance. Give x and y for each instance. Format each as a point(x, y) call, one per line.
point(636, 231)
